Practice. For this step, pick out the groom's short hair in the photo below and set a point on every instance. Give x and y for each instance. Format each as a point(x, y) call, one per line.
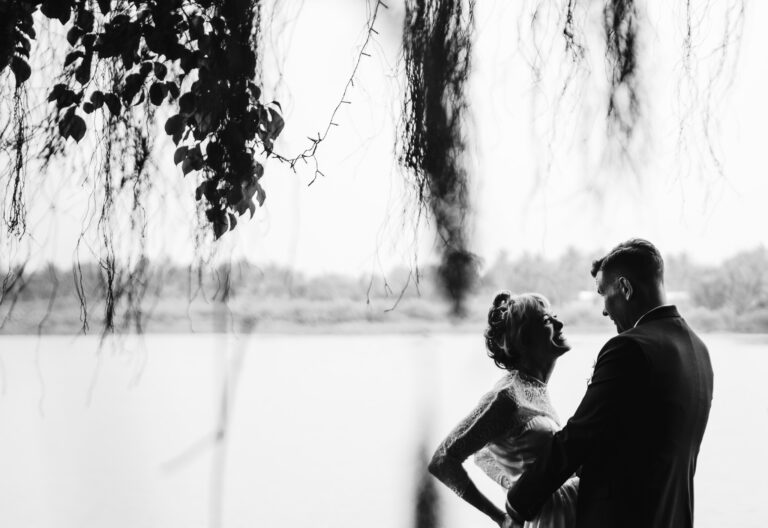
point(637, 258)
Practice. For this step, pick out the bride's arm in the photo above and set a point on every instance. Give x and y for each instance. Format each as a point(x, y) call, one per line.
point(486, 422)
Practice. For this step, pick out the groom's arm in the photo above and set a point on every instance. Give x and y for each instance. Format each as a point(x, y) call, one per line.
point(617, 369)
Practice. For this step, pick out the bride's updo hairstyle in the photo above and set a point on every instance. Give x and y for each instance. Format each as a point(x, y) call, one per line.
point(509, 326)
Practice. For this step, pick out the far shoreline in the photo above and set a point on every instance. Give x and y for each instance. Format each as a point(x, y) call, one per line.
point(353, 328)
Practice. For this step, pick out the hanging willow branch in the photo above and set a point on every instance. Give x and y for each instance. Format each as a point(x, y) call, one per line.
point(437, 42)
point(16, 216)
point(620, 22)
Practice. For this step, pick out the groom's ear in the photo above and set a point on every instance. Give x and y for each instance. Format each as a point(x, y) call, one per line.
point(625, 287)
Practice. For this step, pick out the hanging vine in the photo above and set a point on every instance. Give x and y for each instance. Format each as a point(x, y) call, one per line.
point(620, 22)
point(437, 43)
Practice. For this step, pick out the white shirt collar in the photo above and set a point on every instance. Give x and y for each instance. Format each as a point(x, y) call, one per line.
point(649, 311)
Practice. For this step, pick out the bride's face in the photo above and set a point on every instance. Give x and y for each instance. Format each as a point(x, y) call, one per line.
point(552, 337)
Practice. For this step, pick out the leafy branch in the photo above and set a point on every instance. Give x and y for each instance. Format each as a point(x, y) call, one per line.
point(195, 56)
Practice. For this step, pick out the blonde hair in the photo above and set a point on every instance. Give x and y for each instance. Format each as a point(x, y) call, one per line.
point(509, 324)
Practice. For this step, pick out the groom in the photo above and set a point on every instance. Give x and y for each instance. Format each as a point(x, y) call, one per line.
point(636, 434)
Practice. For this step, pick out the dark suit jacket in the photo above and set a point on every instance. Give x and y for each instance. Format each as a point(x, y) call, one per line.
point(636, 433)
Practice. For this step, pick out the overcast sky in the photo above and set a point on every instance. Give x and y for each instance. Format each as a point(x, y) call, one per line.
point(541, 179)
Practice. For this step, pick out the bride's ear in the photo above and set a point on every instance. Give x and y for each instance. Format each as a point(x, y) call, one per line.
point(625, 287)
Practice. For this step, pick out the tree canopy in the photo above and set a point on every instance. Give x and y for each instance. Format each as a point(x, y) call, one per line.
point(196, 63)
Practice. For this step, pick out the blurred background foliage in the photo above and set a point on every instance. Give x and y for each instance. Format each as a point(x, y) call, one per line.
point(730, 296)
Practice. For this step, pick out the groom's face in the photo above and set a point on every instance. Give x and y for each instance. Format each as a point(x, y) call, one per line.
point(615, 305)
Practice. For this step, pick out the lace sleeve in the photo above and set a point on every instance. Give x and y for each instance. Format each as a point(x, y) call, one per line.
point(487, 421)
point(485, 461)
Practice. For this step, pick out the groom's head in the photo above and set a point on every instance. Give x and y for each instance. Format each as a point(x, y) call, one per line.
point(630, 278)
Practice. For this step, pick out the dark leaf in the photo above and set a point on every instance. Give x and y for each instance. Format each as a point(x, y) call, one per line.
point(187, 166)
point(61, 9)
point(113, 103)
point(173, 89)
point(66, 98)
point(214, 153)
point(174, 125)
point(195, 157)
point(97, 99)
point(88, 42)
point(73, 35)
point(261, 195)
point(211, 214)
point(88, 107)
point(132, 86)
point(73, 56)
point(20, 69)
point(104, 6)
point(242, 207)
point(204, 122)
point(160, 70)
point(72, 125)
point(187, 103)
point(128, 57)
point(157, 93)
point(219, 227)
point(232, 221)
point(258, 170)
point(85, 20)
point(255, 90)
point(56, 92)
point(83, 72)
point(64, 124)
point(188, 60)
point(77, 128)
point(210, 192)
point(105, 46)
point(145, 68)
point(180, 154)
point(235, 195)
point(276, 122)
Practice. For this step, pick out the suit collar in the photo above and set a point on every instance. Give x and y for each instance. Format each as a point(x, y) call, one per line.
point(660, 312)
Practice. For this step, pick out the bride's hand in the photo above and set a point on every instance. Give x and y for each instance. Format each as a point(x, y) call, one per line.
point(509, 522)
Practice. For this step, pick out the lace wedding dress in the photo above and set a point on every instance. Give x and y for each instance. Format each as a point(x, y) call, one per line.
point(509, 426)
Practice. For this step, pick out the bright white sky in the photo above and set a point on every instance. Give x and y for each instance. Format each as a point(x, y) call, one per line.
point(541, 181)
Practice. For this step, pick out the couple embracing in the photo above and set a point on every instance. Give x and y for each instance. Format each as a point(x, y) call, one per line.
point(627, 456)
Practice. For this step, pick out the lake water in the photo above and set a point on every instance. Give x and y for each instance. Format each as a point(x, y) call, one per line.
point(321, 430)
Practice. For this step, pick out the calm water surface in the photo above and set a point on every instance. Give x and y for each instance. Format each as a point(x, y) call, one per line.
point(321, 431)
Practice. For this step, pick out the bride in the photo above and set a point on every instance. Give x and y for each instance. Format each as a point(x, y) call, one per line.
point(516, 418)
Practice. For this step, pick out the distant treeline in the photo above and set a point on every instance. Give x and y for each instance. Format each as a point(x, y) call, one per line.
point(153, 297)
